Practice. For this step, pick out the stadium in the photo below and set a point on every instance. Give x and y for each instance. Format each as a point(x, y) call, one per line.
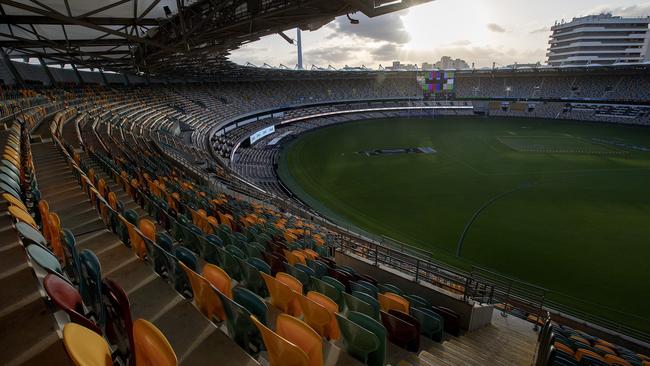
point(164, 205)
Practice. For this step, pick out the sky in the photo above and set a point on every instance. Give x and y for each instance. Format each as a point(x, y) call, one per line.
point(479, 31)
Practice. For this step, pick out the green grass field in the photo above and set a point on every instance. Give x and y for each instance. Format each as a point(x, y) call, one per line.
point(576, 220)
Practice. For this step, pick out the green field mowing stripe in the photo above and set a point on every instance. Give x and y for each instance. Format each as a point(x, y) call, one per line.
point(581, 226)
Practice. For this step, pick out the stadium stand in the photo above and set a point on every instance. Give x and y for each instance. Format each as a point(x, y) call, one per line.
point(139, 258)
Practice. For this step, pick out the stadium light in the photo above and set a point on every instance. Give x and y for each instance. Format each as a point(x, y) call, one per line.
point(352, 20)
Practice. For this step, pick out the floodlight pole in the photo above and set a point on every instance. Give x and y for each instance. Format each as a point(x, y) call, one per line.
point(299, 40)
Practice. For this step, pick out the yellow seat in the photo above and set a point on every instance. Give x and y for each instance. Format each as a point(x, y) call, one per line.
point(332, 329)
point(389, 301)
point(296, 286)
point(135, 239)
point(20, 215)
point(44, 211)
point(218, 278)
point(281, 352)
point(14, 201)
point(299, 333)
point(204, 296)
point(151, 346)
point(315, 314)
point(85, 347)
point(281, 294)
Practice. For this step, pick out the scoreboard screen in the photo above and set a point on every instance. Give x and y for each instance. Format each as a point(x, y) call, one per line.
point(436, 83)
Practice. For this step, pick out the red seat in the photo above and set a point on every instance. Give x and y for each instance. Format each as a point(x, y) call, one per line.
point(119, 324)
point(403, 329)
point(68, 299)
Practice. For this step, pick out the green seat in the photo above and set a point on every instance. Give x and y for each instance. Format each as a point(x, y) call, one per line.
point(388, 287)
point(364, 286)
point(328, 290)
point(255, 249)
point(240, 327)
point(359, 341)
point(431, 324)
point(319, 268)
point(208, 248)
point(252, 302)
point(356, 304)
point(301, 275)
point(419, 301)
point(229, 263)
point(378, 357)
point(190, 233)
point(250, 273)
point(337, 285)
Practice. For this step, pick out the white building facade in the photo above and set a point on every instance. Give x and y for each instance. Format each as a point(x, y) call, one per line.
point(599, 40)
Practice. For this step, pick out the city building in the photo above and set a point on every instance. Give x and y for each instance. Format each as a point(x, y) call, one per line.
point(601, 39)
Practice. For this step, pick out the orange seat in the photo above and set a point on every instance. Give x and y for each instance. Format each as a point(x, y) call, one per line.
point(605, 349)
point(281, 294)
point(281, 352)
point(218, 278)
point(55, 236)
point(295, 256)
point(299, 333)
point(332, 329)
point(85, 347)
point(205, 298)
point(389, 301)
point(563, 347)
point(44, 211)
point(151, 346)
point(296, 286)
point(135, 239)
point(615, 360)
point(581, 352)
point(315, 314)
point(310, 254)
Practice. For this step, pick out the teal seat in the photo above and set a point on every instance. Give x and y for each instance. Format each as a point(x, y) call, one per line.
point(353, 303)
point(229, 263)
point(329, 290)
point(359, 342)
point(388, 287)
point(73, 269)
point(190, 233)
point(319, 268)
point(362, 286)
point(208, 248)
point(431, 324)
point(370, 301)
point(310, 272)
point(91, 275)
point(377, 357)
point(240, 327)
point(299, 274)
point(419, 301)
point(181, 281)
point(45, 259)
point(163, 262)
point(255, 250)
point(251, 277)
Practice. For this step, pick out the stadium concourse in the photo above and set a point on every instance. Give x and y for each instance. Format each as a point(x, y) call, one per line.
point(139, 227)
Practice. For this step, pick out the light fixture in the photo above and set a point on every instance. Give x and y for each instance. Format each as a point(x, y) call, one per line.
point(352, 20)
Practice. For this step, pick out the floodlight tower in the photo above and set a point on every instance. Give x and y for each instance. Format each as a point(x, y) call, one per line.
point(299, 40)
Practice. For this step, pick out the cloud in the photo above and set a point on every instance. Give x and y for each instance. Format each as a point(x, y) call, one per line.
point(637, 10)
point(462, 42)
point(389, 28)
point(388, 51)
point(331, 55)
point(540, 30)
point(496, 28)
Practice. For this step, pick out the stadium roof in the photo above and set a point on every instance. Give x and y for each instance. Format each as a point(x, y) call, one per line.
point(161, 37)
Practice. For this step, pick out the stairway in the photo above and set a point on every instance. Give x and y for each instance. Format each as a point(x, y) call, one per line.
point(507, 341)
point(194, 339)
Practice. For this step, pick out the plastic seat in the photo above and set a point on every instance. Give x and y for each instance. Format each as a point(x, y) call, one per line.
point(327, 289)
point(403, 330)
point(229, 263)
point(315, 315)
point(91, 276)
point(20, 215)
point(240, 327)
point(389, 301)
point(299, 333)
point(359, 342)
point(250, 270)
point(281, 294)
point(252, 302)
point(281, 352)
point(451, 320)
point(136, 241)
point(389, 287)
point(319, 268)
point(362, 287)
point(68, 299)
point(417, 301)
point(377, 357)
point(85, 347)
point(44, 258)
point(295, 286)
point(218, 278)
point(14, 201)
point(431, 324)
point(354, 303)
point(151, 346)
point(614, 360)
point(181, 281)
point(119, 323)
point(299, 274)
point(331, 330)
point(55, 236)
point(208, 247)
point(205, 298)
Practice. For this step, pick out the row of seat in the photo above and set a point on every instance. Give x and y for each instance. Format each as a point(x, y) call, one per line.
point(563, 346)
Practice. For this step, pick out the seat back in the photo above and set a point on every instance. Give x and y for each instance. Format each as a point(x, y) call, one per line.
point(359, 341)
point(378, 357)
point(281, 352)
point(315, 314)
point(299, 333)
point(66, 298)
point(91, 275)
point(151, 346)
point(354, 303)
point(240, 327)
point(403, 330)
point(205, 297)
point(85, 347)
point(391, 301)
point(218, 278)
point(331, 329)
point(55, 237)
point(119, 323)
point(281, 294)
point(389, 287)
point(44, 258)
point(431, 324)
